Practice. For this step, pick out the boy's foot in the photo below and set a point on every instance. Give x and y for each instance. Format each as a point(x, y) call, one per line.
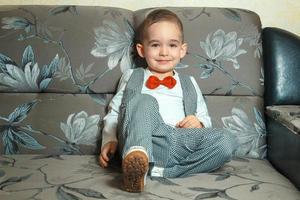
point(135, 167)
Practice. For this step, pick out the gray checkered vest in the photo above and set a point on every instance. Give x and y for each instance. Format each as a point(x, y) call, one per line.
point(135, 84)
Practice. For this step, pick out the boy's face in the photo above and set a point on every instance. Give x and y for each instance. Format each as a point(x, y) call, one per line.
point(162, 47)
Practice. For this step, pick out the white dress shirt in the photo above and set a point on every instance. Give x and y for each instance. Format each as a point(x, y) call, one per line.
point(170, 103)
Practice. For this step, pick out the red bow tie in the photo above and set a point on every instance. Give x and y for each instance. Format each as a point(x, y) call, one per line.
point(153, 82)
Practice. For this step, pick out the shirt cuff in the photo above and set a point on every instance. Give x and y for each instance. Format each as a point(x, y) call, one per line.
point(205, 121)
point(109, 135)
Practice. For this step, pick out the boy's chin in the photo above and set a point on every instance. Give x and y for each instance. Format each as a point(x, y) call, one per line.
point(161, 69)
point(165, 68)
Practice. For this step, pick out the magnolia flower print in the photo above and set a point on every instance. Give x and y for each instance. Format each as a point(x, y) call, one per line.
point(262, 78)
point(21, 80)
point(111, 41)
point(16, 23)
point(63, 70)
point(252, 35)
point(14, 134)
point(81, 128)
point(251, 136)
point(28, 76)
point(222, 46)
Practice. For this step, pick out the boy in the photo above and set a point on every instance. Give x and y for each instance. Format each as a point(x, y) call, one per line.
point(160, 115)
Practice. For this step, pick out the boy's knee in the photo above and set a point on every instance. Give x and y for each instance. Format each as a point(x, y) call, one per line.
point(227, 152)
point(227, 145)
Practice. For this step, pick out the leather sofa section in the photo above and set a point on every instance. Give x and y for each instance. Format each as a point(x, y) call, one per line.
point(283, 150)
point(281, 53)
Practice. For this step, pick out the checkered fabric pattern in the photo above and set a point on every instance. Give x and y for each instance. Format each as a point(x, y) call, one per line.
point(179, 151)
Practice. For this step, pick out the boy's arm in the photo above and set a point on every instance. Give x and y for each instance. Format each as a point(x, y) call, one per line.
point(109, 132)
point(202, 112)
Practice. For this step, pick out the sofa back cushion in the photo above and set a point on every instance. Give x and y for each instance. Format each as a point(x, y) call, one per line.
point(59, 67)
point(282, 64)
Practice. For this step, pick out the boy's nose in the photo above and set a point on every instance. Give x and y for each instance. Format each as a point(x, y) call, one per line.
point(163, 51)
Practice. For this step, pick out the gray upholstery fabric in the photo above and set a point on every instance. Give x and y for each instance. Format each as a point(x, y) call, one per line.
point(91, 40)
point(38, 177)
point(288, 115)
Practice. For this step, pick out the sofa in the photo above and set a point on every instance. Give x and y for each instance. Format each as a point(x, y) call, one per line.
point(60, 66)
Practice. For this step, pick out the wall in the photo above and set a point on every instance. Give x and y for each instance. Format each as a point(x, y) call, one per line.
point(277, 13)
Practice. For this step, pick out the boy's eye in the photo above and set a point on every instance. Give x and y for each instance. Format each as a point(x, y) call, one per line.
point(154, 45)
point(173, 45)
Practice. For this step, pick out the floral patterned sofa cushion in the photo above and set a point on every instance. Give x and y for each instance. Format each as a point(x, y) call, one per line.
point(79, 177)
point(288, 115)
point(81, 49)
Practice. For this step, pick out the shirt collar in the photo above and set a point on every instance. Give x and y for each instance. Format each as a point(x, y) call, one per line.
point(149, 73)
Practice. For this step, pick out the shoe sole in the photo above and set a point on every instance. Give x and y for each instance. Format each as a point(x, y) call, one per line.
point(134, 166)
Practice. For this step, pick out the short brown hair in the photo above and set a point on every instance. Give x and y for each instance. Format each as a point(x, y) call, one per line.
point(155, 16)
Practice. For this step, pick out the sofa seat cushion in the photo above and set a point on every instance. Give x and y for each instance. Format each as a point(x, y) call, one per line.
point(80, 177)
point(288, 115)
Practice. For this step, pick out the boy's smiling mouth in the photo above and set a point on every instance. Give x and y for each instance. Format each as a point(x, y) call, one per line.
point(163, 61)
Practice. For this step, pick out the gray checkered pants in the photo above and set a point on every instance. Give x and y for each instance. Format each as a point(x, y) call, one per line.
point(179, 151)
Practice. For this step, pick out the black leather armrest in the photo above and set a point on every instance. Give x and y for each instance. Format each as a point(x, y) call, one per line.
point(281, 53)
point(284, 150)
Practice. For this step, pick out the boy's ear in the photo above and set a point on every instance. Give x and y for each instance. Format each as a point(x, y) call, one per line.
point(140, 49)
point(183, 50)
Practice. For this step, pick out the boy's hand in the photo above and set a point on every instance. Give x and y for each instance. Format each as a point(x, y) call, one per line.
point(190, 121)
point(107, 151)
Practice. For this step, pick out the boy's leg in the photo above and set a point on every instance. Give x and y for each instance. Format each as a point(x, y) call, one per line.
point(137, 132)
point(199, 150)
point(139, 120)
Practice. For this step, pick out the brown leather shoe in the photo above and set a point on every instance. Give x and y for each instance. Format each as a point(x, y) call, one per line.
point(135, 167)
